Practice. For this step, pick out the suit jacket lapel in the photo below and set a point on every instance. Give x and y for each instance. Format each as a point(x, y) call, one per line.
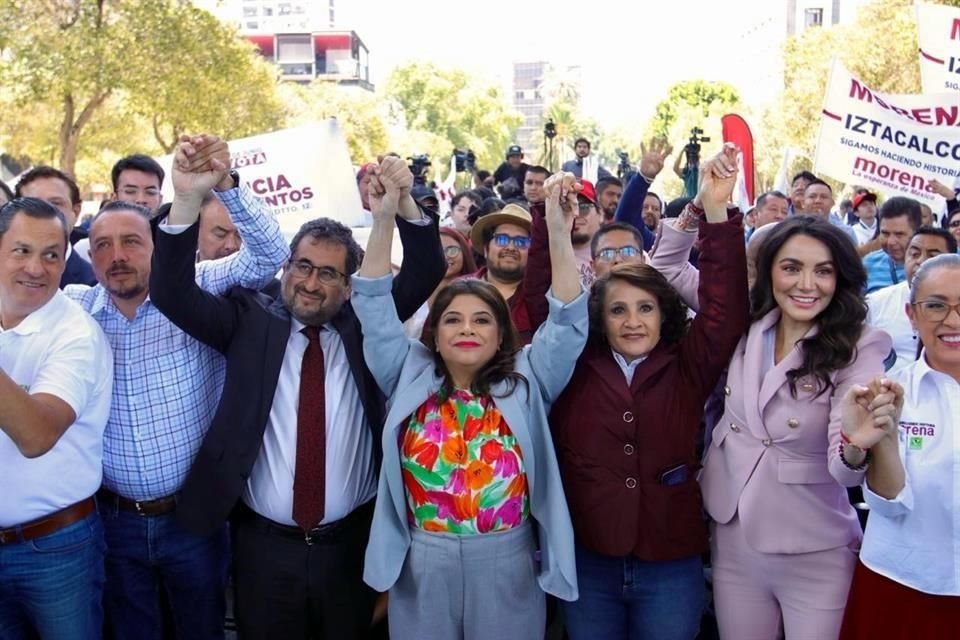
point(599, 357)
point(515, 415)
point(776, 377)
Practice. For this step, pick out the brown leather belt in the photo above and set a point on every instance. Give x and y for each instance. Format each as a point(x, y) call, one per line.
point(156, 507)
point(48, 524)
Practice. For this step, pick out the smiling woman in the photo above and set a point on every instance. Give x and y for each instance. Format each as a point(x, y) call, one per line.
point(775, 474)
point(471, 526)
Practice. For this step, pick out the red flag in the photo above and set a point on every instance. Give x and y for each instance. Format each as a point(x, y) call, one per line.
point(736, 130)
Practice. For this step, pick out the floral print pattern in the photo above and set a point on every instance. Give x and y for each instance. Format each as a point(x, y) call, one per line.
point(462, 467)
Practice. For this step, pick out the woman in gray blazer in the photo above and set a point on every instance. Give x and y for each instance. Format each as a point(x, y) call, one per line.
point(471, 525)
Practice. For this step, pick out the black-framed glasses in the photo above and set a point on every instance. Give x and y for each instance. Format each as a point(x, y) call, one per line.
point(326, 275)
point(520, 242)
point(610, 253)
point(452, 251)
point(935, 310)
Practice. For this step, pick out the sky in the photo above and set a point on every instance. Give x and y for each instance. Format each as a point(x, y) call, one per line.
point(629, 52)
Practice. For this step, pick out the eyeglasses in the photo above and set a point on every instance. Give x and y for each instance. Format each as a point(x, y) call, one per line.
point(936, 310)
point(520, 242)
point(452, 251)
point(610, 254)
point(326, 275)
point(584, 208)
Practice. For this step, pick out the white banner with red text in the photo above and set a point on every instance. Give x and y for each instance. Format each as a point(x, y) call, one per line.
point(938, 37)
point(892, 144)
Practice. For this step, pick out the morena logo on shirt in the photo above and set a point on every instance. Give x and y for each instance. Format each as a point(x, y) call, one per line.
point(915, 432)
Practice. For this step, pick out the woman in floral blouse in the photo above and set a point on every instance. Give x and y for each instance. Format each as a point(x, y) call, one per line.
point(471, 525)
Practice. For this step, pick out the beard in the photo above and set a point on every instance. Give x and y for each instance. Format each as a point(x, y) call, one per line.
point(510, 274)
point(310, 316)
point(579, 238)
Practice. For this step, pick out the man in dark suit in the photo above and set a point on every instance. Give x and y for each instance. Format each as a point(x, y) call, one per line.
point(62, 192)
point(297, 434)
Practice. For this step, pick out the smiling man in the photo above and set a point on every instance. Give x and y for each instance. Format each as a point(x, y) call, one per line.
point(898, 219)
point(56, 372)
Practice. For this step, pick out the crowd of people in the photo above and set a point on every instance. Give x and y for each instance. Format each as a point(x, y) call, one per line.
point(572, 404)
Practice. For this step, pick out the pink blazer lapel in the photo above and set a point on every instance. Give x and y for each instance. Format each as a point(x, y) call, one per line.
point(753, 364)
point(776, 377)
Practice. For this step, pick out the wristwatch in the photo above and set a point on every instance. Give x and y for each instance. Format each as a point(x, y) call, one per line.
point(233, 176)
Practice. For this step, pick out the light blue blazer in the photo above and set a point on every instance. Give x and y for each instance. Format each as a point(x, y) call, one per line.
point(406, 372)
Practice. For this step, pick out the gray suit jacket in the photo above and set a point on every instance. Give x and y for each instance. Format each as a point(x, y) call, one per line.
point(405, 371)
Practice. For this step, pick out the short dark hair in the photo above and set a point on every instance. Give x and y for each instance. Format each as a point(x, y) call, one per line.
point(818, 181)
point(331, 231)
point(654, 195)
point(6, 190)
point(33, 208)
point(769, 194)
point(483, 174)
point(806, 175)
point(136, 162)
point(475, 197)
point(43, 171)
point(642, 276)
point(614, 226)
point(945, 235)
point(841, 323)
point(583, 140)
point(898, 206)
point(123, 205)
point(537, 169)
point(604, 183)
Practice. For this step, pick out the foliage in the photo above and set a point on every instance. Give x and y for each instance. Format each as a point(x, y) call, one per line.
point(162, 60)
point(454, 107)
point(359, 113)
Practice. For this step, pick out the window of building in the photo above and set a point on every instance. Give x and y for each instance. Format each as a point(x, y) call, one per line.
point(294, 48)
point(249, 12)
point(813, 17)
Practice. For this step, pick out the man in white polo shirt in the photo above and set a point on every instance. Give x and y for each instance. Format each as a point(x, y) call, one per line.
point(56, 374)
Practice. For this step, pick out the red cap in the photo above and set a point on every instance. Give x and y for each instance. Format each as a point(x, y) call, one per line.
point(860, 197)
point(588, 193)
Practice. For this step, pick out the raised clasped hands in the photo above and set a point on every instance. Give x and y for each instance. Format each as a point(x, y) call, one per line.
point(718, 176)
point(390, 181)
point(561, 204)
point(871, 413)
point(200, 163)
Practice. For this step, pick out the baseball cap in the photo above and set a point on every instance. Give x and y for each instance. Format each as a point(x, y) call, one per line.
point(514, 150)
point(588, 193)
point(860, 197)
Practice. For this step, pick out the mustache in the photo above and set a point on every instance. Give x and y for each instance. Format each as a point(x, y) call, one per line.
point(119, 267)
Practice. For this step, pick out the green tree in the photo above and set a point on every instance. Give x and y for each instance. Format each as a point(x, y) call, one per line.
point(359, 113)
point(163, 60)
point(454, 107)
point(690, 98)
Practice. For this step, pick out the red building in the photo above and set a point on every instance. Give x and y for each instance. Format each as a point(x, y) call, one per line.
point(337, 56)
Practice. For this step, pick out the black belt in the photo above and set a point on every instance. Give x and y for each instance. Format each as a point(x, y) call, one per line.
point(359, 517)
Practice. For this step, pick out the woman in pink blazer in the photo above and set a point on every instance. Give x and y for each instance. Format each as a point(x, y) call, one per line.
point(784, 536)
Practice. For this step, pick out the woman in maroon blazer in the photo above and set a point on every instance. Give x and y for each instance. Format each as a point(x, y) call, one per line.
point(625, 430)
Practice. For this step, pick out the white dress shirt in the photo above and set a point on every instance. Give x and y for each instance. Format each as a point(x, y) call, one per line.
point(886, 310)
point(863, 232)
point(914, 539)
point(350, 477)
point(58, 350)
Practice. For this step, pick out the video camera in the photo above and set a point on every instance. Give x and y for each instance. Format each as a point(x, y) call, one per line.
point(550, 129)
point(418, 167)
point(466, 161)
point(692, 148)
point(624, 169)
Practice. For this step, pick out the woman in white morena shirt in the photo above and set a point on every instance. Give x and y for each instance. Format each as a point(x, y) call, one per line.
point(907, 584)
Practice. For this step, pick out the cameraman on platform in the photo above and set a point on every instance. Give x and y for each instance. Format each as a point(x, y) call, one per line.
point(514, 167)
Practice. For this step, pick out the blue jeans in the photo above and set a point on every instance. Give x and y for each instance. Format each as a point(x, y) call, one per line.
point(622, 598)
point(51, 586)
point(149, 553)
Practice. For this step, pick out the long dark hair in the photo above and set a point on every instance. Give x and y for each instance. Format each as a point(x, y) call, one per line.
point(841, 323)
point(500, 368)
point(673, 312)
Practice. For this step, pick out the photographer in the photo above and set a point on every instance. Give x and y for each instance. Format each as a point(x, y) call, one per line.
point(513, 167)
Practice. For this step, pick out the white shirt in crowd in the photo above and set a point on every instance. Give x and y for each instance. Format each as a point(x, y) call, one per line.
point(914, 539)
point(349, 476)
point(863, 232)
point(58, 350)
point(886, 310)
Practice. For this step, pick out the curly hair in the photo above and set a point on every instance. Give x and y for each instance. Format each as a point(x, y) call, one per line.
point(674, 321)
point(500, 368)
point(841, 323)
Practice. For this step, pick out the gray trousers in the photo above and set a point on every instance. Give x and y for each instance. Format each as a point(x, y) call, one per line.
point(479, 587)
